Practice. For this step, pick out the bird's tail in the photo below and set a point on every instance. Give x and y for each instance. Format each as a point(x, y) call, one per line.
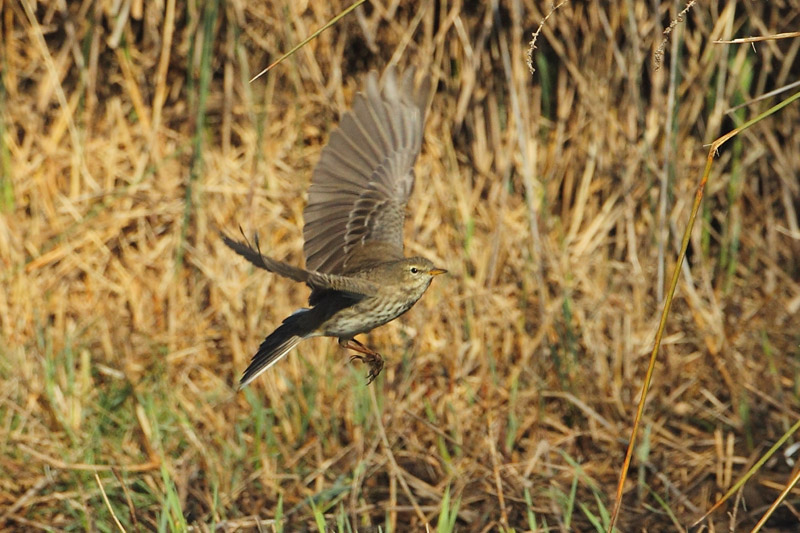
point(294, 329)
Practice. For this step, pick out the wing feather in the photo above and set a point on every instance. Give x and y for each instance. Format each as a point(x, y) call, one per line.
point(356, 287)
point(365, 175)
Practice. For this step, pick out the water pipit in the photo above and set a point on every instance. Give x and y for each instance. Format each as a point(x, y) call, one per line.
point(353, 231)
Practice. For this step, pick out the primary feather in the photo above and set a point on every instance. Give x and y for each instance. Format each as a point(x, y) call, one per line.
point(365, 175)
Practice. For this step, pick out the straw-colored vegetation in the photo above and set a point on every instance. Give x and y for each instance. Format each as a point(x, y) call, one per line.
point(556, 200)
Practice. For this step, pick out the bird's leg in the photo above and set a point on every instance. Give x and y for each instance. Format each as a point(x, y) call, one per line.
point(367, 355)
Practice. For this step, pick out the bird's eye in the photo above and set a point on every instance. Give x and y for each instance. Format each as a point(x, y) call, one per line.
point(414, 270)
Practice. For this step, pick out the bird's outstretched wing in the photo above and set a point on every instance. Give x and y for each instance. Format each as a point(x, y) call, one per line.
point(361, 184)
point(318, 281)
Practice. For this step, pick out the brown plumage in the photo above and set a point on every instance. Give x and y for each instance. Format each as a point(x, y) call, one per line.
point(353, 232)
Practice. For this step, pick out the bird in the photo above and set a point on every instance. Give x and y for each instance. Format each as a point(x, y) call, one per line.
point(353, 231)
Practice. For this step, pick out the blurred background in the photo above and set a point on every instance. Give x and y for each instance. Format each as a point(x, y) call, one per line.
point(130, 134)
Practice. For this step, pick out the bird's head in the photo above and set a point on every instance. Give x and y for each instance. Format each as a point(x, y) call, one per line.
point(415, 273)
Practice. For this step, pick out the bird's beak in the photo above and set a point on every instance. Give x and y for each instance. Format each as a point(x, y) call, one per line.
point(437, 271)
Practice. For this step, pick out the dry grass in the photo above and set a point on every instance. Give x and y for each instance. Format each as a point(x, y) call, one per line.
point(125, 322)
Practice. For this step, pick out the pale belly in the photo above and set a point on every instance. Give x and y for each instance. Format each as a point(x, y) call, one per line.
point(365, 316)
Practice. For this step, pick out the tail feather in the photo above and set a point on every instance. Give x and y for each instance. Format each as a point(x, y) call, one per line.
point(288, 335)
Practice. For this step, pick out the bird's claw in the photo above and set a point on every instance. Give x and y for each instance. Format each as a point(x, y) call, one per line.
point(375, 362)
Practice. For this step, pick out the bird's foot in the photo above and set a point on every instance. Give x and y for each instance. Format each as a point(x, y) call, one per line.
point(367, 356)
point(375, 363)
